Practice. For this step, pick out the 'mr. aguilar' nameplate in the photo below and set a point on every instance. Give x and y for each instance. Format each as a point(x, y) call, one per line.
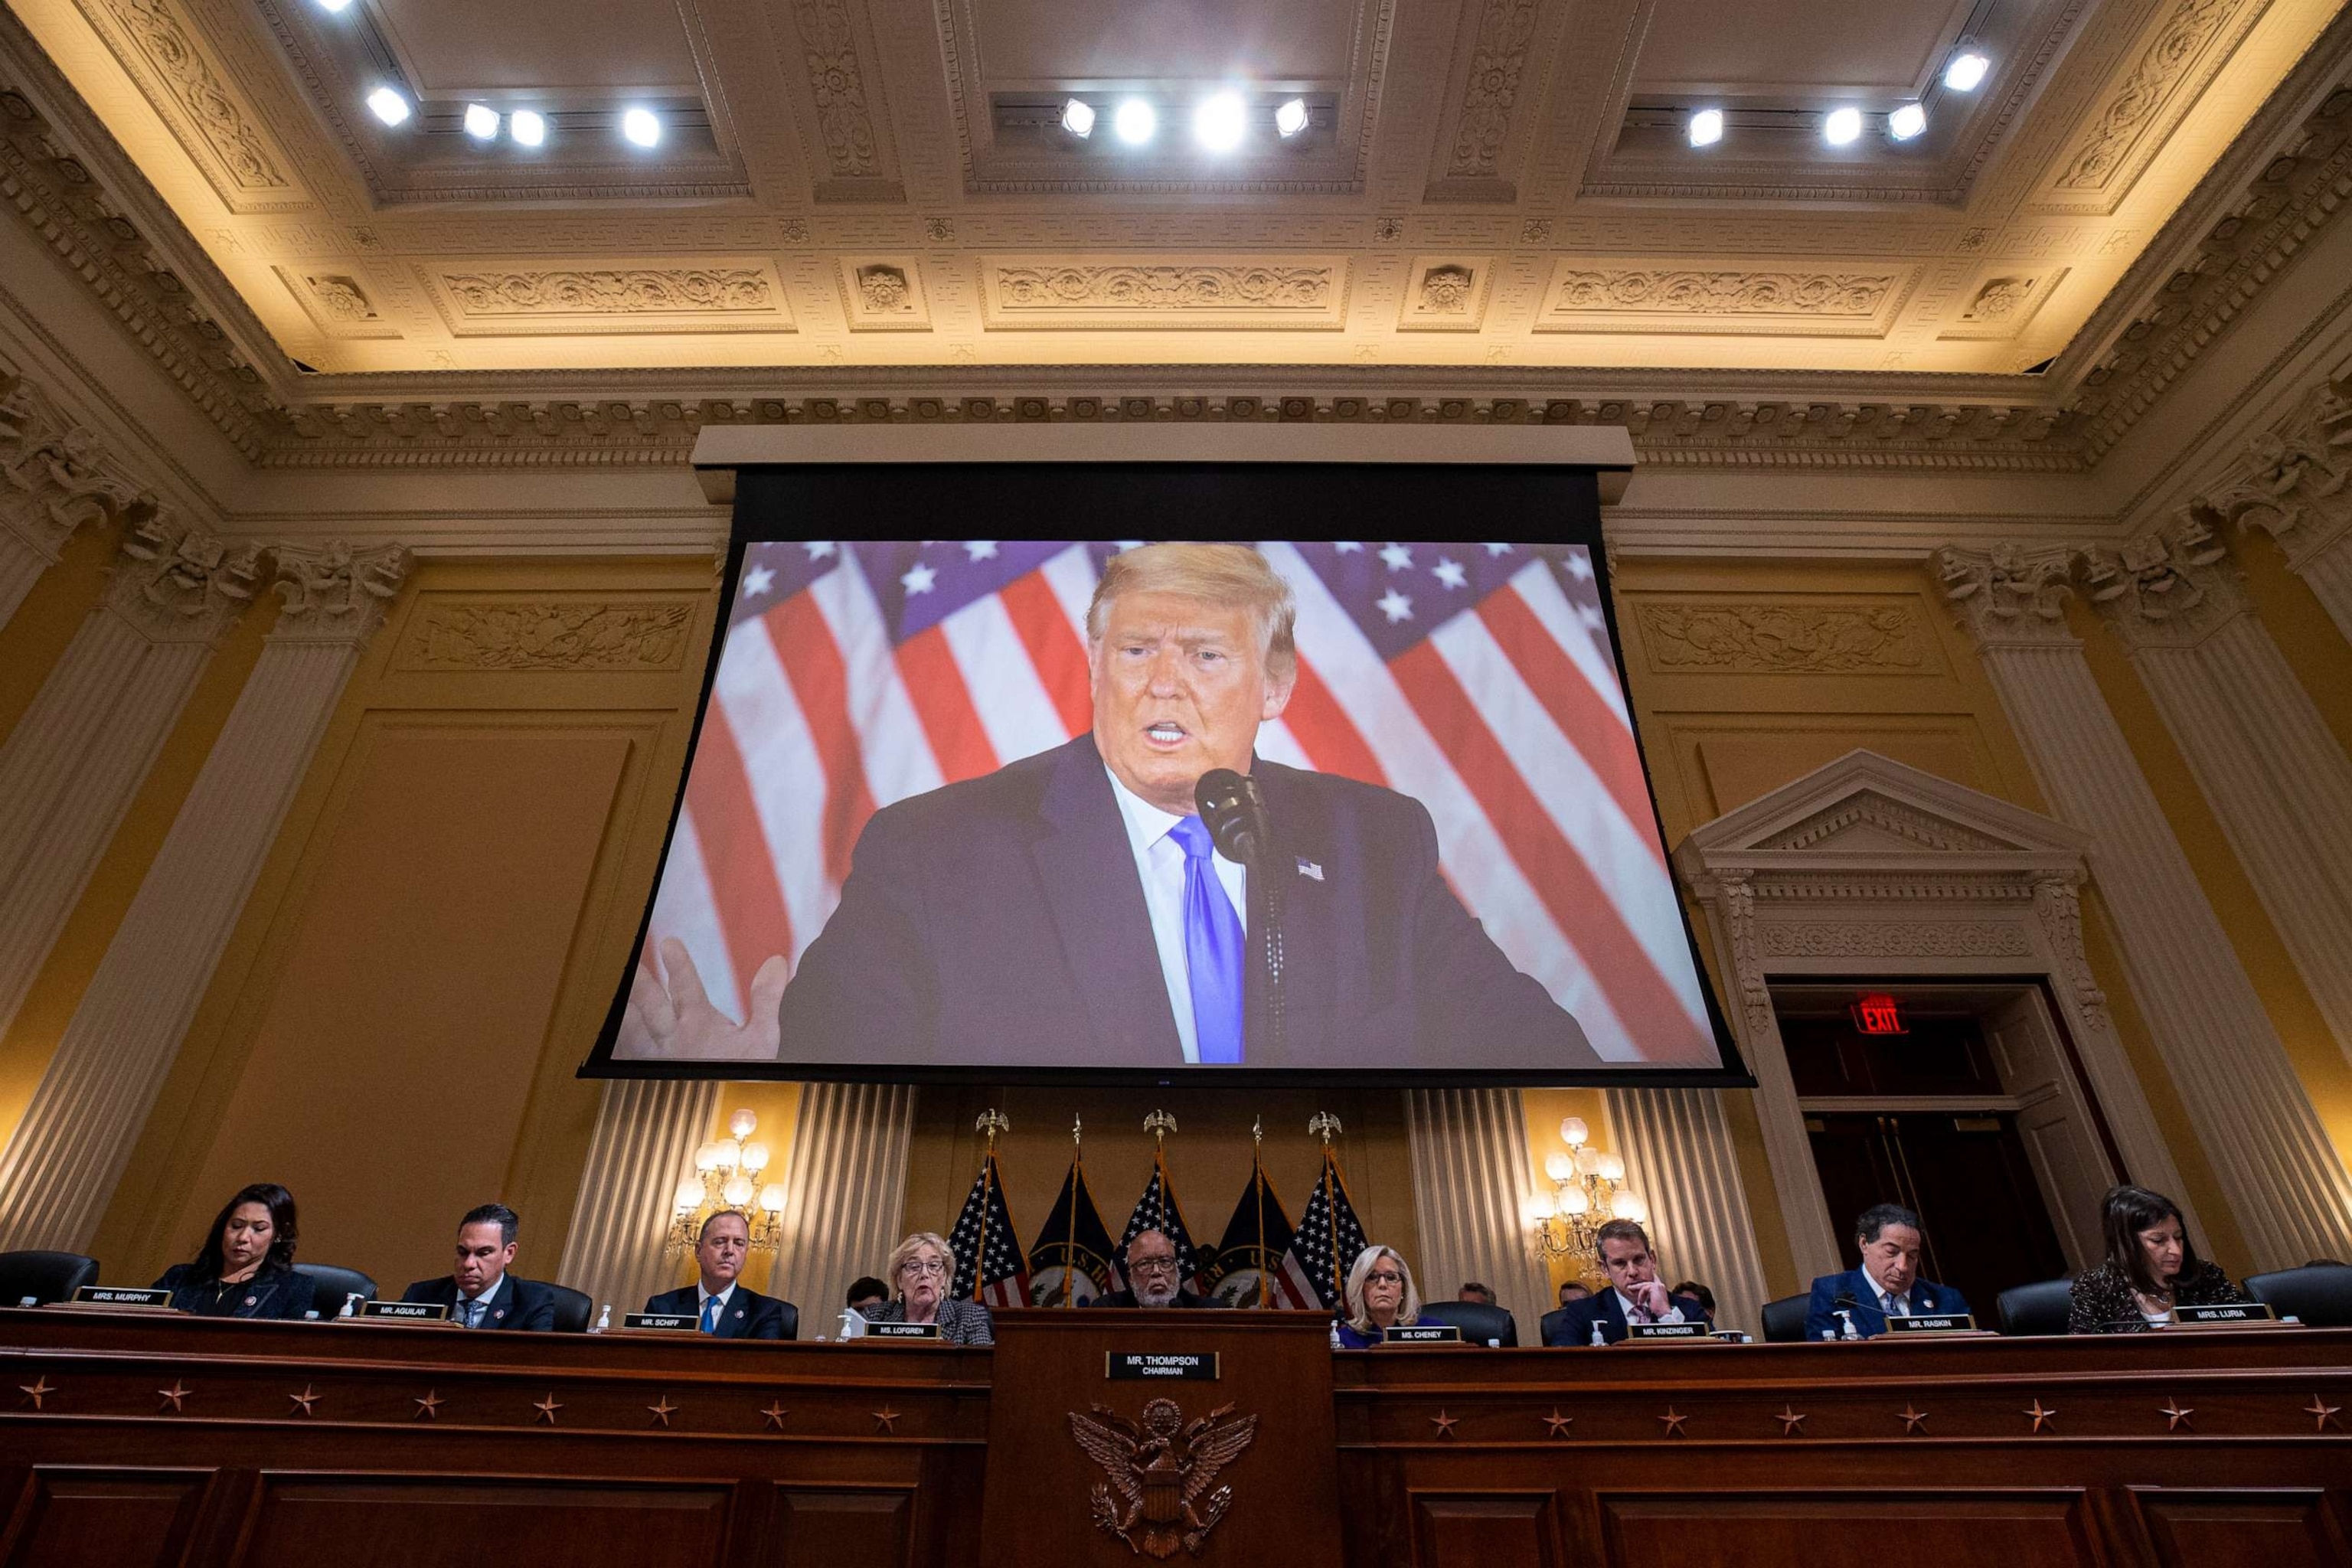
point(902, 1331)
point(405, 1311)
point(666, 1322)
point(1188, 1366)
point(1424, 1334)
point(1645, 1333)
point(122, 1296)
point(2232, 1312)
point(1931, 1323)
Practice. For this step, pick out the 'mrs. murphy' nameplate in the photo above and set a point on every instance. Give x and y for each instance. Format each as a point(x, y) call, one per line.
point(666, 1323)
point(122, 1296)
point(1931, 1323)
point(1189, 1366)
point(1650, 1334)
point(2231, 1313)
point(902, 1331)
point(1424, 1334)
point(405, 1311)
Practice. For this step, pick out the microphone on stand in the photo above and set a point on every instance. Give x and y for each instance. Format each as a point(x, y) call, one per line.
point(1233, 808)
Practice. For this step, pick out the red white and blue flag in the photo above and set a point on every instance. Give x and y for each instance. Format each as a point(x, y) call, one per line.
point(1477, 678)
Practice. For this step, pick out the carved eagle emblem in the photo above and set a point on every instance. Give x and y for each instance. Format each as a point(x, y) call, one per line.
point(1161, 1473)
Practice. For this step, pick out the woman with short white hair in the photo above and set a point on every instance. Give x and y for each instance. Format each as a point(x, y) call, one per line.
point(921, 1273)
point(1381, 1295)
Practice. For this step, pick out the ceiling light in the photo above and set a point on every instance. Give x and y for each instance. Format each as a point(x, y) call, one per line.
point(386, 104)
point(641, 126)
point(1291, 117)
point(1966, 71)
point(334, 5)
point(1078, 117)
point(481, 121)
point(528, 126)
point(1219, 121)
point(1842, 127)
point(1706, 128)
point(1906, 123)
point(1135, 121)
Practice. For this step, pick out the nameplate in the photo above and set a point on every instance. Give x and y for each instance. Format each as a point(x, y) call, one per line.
point(666, 1322)
point(404, 1311)
point(1650, 1334)
point(902, 1331)
point(2230, 1313)
point(122, 1296)
point(1185, 1366)
point(1425, 1334)
point(1932, 1323)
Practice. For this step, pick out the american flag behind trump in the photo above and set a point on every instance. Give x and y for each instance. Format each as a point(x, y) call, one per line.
point(1477, 678)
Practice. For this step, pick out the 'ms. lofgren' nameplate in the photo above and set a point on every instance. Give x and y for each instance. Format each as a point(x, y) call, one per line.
point(1190, 1366)
point(405, 1311)
point(1931, 1323)
point(2228, 1312)
point(122, 1296)
point(1424, 1334)
point(902, 1331)
point(1649, 1334)
point(665, 1322)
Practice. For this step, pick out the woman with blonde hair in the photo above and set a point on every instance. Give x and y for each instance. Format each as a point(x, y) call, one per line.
point(1381, 1295)
point(921, 1272)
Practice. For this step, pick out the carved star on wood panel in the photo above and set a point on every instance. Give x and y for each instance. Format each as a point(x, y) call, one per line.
point(2318, 1408)
point(662, 1411)
point(40, 1388)
point(1444, 1424)
point(173, 1397)
point(1674, 1424)
point(1912, 1420)
point(428, 1407)
point(775, 1413)
point(1557, 1425)
point(304, 1400)
point(2042, 1417)
point(1791, 1424)
point(547, 1407)
point(887, 1419)
point(2175, 1416)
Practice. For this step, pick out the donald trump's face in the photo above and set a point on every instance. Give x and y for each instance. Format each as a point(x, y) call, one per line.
point(1179, 688)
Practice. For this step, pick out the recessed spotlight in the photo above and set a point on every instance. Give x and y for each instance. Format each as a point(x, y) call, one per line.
point(334, 5)
point(1706, 128)
point(1219, 121)
point(1842, 127)
point(481, 121)
point(1967, 71)
point(1135, 121)
point(1078, 117)
point(1291, 117)
point(641, 126)
point(386, 104)
point(1906, 123)
point(527, 126)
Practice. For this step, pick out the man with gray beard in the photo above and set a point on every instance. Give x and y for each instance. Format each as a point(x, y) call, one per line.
point(1154, 1276)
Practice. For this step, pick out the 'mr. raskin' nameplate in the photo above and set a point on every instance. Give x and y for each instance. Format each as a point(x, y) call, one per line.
point(1424, 1334)
point(2230, 1312)
point(122, 1296)
point(902, 1331)
point(667, 1322)
point(1189, 1366)
point(405, 1311)
point(1645, 1333)
point(1931, 1323)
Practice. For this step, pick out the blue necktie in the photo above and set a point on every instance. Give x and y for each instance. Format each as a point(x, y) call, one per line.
point(1213, 948)
point(711, 1314)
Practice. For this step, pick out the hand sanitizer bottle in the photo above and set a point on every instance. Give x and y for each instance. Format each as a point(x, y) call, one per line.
point(351, 1306)
point(1598, 1336)
point(1845, 1326)
point(604, 1320)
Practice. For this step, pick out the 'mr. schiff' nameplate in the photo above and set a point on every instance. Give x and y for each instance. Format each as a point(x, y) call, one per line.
point(122, 1296)
point(2232, 1312)
point(902, 1331)
point(1931, 1323)
point(1425, 1334)
point(1189, 1366)
point(667, 1322)
point(1644, 1333)
point(405, 1311)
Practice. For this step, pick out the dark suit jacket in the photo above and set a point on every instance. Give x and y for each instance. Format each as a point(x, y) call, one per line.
point(1572, 1324)
point(1000, 919)
point(747, 1315)
point(1127, 1299)
point(519, 1304)
point(1821, 1312)
point(275, 1293)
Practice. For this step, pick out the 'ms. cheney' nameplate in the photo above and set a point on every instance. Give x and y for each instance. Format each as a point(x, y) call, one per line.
point(666, 1322)
point(2228, 1312)
point(1424, 1334)
point(405, 1311)
point(1189, 1366)
point(902, 1331)
point(122, 1296)
point(1646, 1334)
point(1931, 1323)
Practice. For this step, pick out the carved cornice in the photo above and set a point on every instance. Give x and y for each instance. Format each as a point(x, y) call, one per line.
point(332, 593)
point(181, 583)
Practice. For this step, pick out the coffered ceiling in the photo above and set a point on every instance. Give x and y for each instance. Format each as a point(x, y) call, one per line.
point(1498, 192)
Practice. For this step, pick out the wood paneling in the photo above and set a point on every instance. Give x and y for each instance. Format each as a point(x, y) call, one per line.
point(1452, 1530)
point(460, 1521)
point(1801, 1528)
point(69, 1515)
point(2287, 1527)
point(820, 1526)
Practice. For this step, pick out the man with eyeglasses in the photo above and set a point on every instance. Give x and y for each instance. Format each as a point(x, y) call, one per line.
point(1154, 1279)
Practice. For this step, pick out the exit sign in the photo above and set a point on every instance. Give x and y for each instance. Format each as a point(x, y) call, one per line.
point(1878, 1015)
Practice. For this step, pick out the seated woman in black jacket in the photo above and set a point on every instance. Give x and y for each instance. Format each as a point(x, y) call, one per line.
point(2151, 1266)
point(246, 1267)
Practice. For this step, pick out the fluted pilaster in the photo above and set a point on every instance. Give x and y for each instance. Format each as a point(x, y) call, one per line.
point(1471, 1183)
point(845, 1193)
point(1679, 1157)
point(646, 1132)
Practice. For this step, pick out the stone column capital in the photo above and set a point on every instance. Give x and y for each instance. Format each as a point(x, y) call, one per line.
point(2169, 587)
point(177, 582)
point(55, 475)
point(2011, 596)
point(333, 593)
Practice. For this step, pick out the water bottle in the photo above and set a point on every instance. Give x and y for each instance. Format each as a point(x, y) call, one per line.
point(28, 1301)
point(604, 1320)
point(1494, 1344)
point(311, 1316)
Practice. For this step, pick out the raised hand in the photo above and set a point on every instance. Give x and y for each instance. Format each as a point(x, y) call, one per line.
point(679, 1022)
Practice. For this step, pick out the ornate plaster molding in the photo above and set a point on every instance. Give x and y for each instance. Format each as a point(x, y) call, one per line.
point(607, 636)
point(2011, 596)
point(55, 475)
point(179, 75)
point(1584, 292)
point(2294, 479)
point(176, 583)
point(2172, 66)
point(836, 77)
point(1498, 61)
point(1782, 640)
point(1143, 291)
point(332, 593)
point(2170, 587)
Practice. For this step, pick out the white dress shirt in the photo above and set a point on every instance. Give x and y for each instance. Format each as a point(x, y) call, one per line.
point(458, 1313)
point(1625, 1304)
point(703, 1297)
point(1893, 1305)
point(1159, 862)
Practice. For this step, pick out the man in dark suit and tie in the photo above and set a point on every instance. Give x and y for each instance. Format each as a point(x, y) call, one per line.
point(479, 1292)
point(1071, 908)
point(1153, 1280)
point(728, 1310)
point(1634, 1293)
point(1886, 1285)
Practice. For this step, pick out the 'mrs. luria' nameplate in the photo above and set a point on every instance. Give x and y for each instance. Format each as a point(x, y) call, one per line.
point(1192, 1366)
point(1425, 1334)
point(667, 1322)
point(1930, 1322)
point(122, 1296)
point(2230, 1313)
point(902, 1331)
point(405, 1311)
point(1645, 1331)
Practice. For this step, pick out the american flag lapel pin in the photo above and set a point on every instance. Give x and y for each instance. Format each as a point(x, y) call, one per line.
point(1309, 869)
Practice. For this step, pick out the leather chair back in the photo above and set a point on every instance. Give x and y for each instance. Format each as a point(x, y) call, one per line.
point(46, 1276)
point(2319, 1293)
point(1550, 1325)
point(1478, 1323)
point(2038, 1308)
point(1784, 1319)
point(572, 1308)
point(792, 1316)
point(330, 1285)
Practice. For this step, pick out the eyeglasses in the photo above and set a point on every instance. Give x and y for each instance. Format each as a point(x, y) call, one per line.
point(1167, 1262)
point(1382, 1277)
point(925, 1266)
